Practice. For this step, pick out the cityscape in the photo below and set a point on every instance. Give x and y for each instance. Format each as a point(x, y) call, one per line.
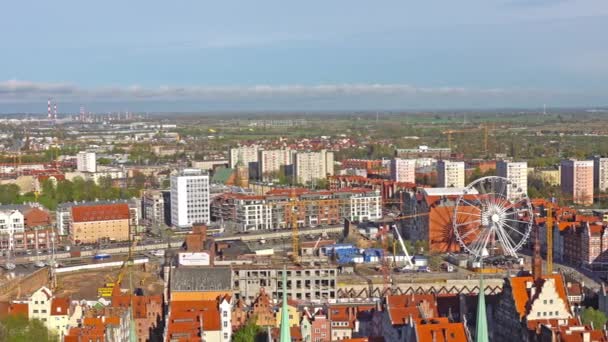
point(304, 194)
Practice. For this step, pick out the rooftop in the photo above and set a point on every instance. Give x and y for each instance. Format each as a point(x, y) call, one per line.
point(201, 279)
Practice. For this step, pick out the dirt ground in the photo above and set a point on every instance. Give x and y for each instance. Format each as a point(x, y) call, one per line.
point(84, 284)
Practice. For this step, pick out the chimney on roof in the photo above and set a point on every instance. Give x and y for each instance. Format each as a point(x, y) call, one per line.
point(586, 336)
point(434, 335)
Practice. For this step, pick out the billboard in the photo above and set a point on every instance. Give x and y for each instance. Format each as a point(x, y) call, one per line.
point(194, 259)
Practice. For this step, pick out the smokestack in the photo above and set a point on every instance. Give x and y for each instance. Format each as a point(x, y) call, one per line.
point(48, 108)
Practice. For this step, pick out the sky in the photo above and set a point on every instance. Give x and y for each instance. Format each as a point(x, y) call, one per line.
point(193, 55)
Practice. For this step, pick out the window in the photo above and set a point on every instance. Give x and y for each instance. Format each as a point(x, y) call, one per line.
point(225, 324)
point(225, 314)
point(550, 301)
point(545, 301)
point(36, 311)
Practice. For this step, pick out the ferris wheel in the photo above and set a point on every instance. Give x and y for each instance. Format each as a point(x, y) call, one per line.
point(493, 217)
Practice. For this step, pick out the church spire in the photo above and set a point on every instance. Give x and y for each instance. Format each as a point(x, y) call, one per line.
point(285, 328)
point(481, 330)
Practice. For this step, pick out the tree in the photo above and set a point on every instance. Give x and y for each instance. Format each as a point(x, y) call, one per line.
point(17, 328)
point(595, 317)
point(248, 333)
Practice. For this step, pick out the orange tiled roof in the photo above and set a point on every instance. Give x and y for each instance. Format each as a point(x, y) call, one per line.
point(401, 307)
point(102, 212)
point(442, 331)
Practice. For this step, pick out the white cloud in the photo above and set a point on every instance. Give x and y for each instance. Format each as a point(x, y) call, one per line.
point(18, 91)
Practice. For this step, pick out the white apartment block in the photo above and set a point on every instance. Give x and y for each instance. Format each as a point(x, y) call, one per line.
point(189, 198)
point(312, 166)
point(86, 161)
point(270, 161)
point(11, 222)
point(245, 154)
point(600, 173)
point(403, 170)
point(517, 173)
point(450, 174)
point(365, 206)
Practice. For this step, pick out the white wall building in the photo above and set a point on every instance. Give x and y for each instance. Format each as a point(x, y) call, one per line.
point(270, 161)
point(600, 173)
point(246, 154)
point(11, 222)
point(517, 173)
point(86, 161)
point(403, 170)
point(189, 198)
point(450, 174)
point(312, 166)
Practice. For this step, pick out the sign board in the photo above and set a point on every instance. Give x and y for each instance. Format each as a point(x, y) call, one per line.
point(104, 292)
point(194, 259)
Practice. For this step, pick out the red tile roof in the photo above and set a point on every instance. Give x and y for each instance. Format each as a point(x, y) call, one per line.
point(19, 309)
point(60, 306)
point(102, 212)
point(442, 331)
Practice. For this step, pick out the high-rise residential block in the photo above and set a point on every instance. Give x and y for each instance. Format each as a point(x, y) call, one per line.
point(189, 198)
point(600, 173)
point(271, 161)
point(312, 166)
point(244, 154)
point(450, 174)
point(86, 161)
point(517, 175)
point(577, 180)
point(403, 170)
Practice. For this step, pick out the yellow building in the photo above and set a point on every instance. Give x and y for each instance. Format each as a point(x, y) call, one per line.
point(294, 315)
point(91, 223)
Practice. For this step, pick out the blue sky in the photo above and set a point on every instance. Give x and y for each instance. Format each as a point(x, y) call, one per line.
point(307, 55)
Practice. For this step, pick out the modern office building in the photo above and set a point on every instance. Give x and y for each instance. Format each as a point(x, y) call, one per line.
point(310, 167)
point(403, 170)
point(577, 180)
point(86, 161)
point(189, 198)
point(450, 174)
point(517, 174)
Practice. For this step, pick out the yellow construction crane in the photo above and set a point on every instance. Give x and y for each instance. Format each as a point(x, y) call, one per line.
point(484, 128)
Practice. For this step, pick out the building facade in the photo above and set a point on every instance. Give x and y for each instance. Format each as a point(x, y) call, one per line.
point(600, 173)
point(189, 198)
point(96, 223)
point(577, 180)
point(403, 170)
point(450, 174)
point(86, 161)
point(271, 161)
point(310, 167)
point(272, 211)
point(517, 174)
point(153, 208)
point(244, 154)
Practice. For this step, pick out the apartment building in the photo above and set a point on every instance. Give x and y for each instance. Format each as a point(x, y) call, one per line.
point(189, 198)
point(271, 161)
point(577, 180)
point(403, 170)
point(600, 173)
point(450, 174)
point(86, 161)
point(517, 174)
point(244, 154)
point(310, 167)
point(35, 238)
point(312, 208)
point(11, 223)
point(153, 208)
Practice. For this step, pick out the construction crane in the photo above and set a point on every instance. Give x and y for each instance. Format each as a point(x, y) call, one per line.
point(485, 129)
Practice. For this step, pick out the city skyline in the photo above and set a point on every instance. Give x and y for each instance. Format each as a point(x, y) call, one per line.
point(267, 56)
